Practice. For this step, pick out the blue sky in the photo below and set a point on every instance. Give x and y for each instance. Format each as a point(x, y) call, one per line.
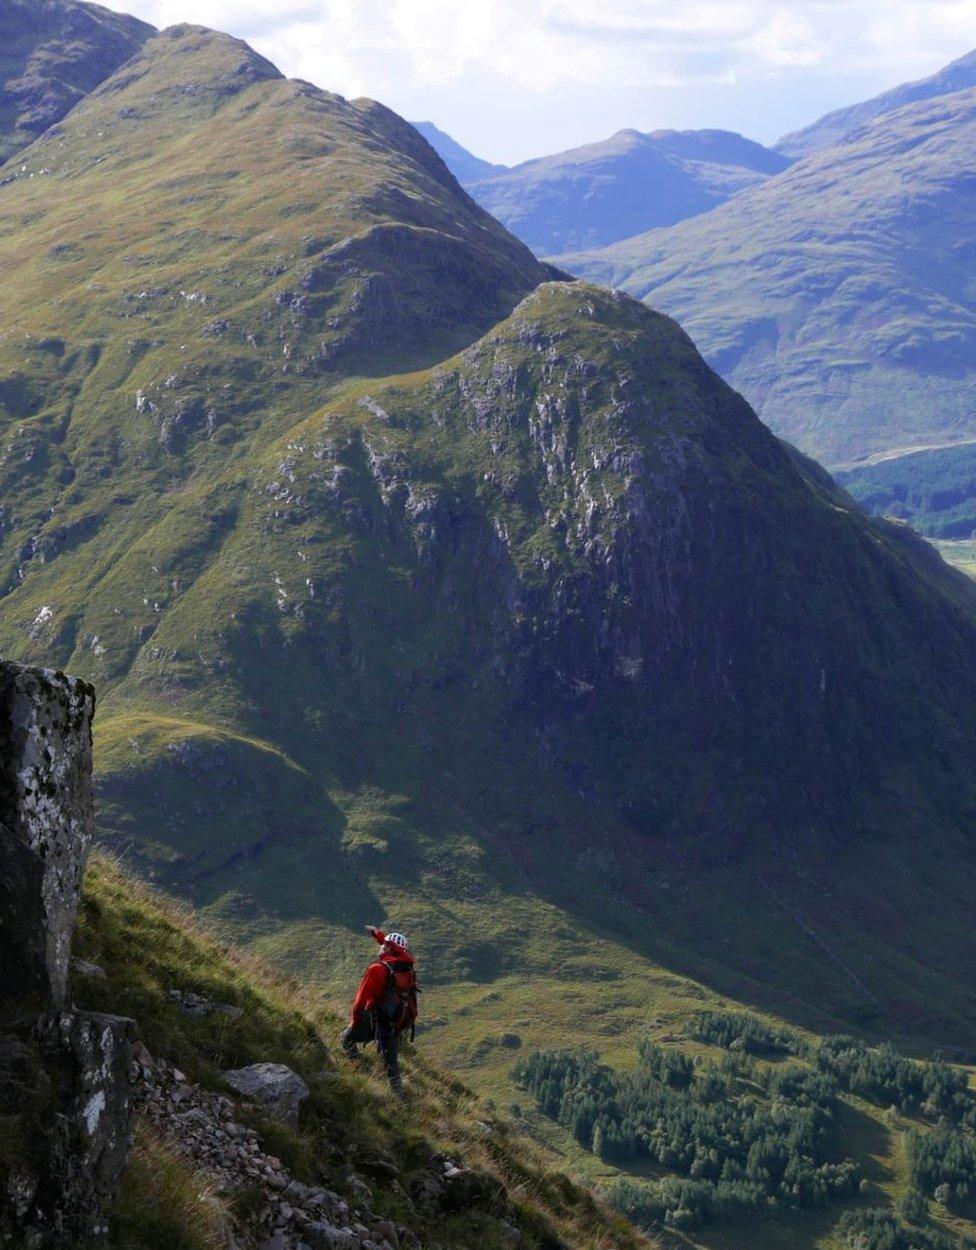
point(512, 79)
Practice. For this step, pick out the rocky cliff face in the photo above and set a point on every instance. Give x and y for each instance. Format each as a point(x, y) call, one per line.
point(65, 1098)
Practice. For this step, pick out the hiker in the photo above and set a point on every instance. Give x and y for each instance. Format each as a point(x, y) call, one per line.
point(385, 1004)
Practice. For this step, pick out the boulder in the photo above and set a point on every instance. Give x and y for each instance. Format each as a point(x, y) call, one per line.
point(324, 1236)
point(274, 1087)
point(46, 827)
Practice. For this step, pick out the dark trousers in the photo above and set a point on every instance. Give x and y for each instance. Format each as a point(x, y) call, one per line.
point(376, 1029)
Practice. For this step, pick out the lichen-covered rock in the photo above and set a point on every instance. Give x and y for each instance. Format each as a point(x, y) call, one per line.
point(275, 1087)
point(64, 1074)
point(66, 1092)
point(87, 1140)
point(46, 826)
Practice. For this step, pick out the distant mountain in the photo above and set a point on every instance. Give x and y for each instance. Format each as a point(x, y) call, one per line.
point(606, 191)
point(839, 296)
point(464, 165)
point(52, 53)
point(839, 124)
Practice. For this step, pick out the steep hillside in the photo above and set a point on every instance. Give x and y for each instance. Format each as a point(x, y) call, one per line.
point(52, 54)
point(464, 165)
point(602, 192)
point(838, 296)
point(418, 586)
point(351, 1144)
point(842, 123)
point(702, 1065)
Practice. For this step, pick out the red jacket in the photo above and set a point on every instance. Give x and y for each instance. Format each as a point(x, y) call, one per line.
point(376, 978)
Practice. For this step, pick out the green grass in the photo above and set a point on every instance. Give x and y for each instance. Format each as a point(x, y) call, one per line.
point(960, 553)
point(148, 945)
point(163, 1204)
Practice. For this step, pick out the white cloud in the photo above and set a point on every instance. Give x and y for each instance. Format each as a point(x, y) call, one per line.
point(473, 57)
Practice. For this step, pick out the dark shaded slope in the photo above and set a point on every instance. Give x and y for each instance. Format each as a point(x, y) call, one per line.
point(52, 53)
point(842, 123)
point(838, 296)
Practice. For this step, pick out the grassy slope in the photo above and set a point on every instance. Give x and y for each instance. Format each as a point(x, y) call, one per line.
point(147, 946)
point(837, 296)
point(838, 125)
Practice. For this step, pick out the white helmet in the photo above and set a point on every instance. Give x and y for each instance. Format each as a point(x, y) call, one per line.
point(398, 939)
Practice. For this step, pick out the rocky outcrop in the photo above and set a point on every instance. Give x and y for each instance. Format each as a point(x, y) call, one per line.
point(85, 1059)
point(46, 825)
point(65, 1091)
point(206, 1128)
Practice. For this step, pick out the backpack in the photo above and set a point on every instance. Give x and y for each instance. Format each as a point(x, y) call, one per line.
point(399, 1003)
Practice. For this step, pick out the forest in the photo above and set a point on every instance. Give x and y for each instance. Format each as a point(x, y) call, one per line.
point(756, 1129)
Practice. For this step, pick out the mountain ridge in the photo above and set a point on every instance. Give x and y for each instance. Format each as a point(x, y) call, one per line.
point(464, 165)
point(53, 53)
point(839, 124)
point(608, 190)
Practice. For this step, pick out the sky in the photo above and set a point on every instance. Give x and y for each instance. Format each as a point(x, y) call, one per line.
point(512, 79)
